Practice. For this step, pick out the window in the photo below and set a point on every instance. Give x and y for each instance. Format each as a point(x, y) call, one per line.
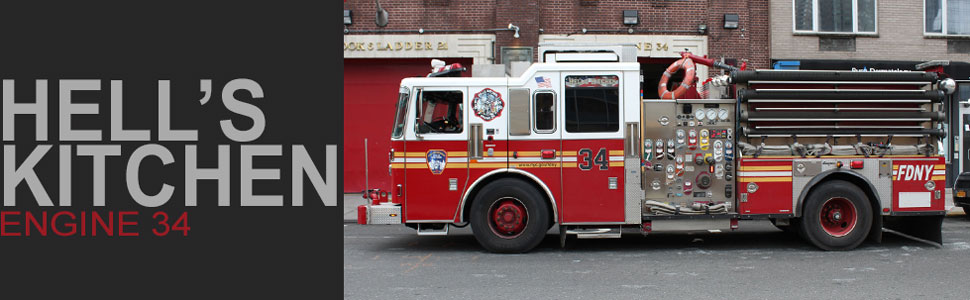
point(946, 17)
point(545, 112)
point(834, 16)
point(399, 117)
point(440, 112)
point(592, 103)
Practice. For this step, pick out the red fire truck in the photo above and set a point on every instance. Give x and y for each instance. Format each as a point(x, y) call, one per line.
point(837, 156)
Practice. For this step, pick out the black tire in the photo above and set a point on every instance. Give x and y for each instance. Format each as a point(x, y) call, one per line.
point(537, 216)
point(966, 210)
point(839, 233)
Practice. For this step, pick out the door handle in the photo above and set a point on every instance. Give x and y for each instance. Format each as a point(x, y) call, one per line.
point(548, 154)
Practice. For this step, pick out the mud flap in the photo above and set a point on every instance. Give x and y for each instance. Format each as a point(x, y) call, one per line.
point(927, 229)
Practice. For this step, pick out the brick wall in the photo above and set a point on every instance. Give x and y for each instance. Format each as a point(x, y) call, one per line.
point(899, 26)
point(680, 17)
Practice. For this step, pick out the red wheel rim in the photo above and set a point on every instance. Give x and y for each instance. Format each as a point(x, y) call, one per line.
point(508, 218)
point(838, 217)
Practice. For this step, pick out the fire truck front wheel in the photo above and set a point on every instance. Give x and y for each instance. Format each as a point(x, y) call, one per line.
point(837, 216)
point(509, 216)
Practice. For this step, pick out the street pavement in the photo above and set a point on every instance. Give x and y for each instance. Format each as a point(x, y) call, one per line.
point(757, 262)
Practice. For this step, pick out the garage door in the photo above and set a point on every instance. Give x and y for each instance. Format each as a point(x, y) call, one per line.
point(370, 92)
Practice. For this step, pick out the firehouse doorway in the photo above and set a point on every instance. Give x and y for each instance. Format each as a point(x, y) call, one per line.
point(652, 69)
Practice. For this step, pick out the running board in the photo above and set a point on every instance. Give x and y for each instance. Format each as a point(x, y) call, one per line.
point(597, 233)
point(433, 229)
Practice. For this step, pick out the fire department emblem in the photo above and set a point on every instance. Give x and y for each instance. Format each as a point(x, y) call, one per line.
point(488, 104)
point(437, 159)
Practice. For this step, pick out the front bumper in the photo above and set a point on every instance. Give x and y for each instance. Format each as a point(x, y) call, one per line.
point(382, 214)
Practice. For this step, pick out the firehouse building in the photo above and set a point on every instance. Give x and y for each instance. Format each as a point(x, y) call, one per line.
point(388, 40)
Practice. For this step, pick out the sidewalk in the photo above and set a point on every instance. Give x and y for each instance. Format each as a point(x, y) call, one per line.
point(351, 201)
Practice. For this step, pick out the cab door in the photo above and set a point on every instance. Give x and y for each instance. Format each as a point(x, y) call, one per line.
point(535, 144)
point(592, 145)
point(437, 154)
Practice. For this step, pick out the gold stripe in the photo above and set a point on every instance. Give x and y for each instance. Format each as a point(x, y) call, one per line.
point(529, 153)
point(766, 168)
point(764, 179)
point(568, 165)
point(616, 164)
point(569, 153)
point(616, 152)
point(423, 154)
point(939, 177)
point(397, 166)
point(487, 165)
point(935, 167)
point(835, 156)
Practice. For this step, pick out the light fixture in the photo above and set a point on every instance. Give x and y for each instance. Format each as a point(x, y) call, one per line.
point(516, 28)
point(630, 17)
point(701, 29)
point(347, 17)
point(382, 16)
point(731, 21)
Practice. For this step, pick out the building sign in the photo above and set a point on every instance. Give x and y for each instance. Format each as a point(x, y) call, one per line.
point(476, 46)
point(649, 46)
point(395, 46)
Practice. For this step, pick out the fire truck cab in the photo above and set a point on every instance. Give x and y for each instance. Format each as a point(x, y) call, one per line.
point(836, 155)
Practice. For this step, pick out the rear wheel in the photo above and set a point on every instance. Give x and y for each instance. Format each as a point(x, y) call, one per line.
point(837, 216)
point(509, 216)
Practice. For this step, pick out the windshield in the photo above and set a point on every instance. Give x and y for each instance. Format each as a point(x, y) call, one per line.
point(399, 118)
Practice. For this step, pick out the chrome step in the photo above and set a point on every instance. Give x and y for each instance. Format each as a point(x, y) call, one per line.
point(597, 233)
point(433, 229)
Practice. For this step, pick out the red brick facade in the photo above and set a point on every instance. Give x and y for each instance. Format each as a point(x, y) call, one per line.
point(680, 17)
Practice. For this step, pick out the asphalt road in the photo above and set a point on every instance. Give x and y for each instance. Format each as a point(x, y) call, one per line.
point(758, 262)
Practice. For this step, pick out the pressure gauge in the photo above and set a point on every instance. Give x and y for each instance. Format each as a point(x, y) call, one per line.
point(699, 114)
point(722, 114)
point(712, 114)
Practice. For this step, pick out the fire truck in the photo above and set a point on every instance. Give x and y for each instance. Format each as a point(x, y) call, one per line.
point(838, 157)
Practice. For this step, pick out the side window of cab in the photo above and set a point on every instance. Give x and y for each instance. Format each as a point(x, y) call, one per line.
point(439, 112)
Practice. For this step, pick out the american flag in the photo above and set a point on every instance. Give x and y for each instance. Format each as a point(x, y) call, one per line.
point(543, 82)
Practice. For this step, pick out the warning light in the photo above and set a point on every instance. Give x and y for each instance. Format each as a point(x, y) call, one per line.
point(856, 164)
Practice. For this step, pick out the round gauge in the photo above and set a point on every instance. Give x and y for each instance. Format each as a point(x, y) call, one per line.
point(711, 114)
point(722, 114)
point(699, 114)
